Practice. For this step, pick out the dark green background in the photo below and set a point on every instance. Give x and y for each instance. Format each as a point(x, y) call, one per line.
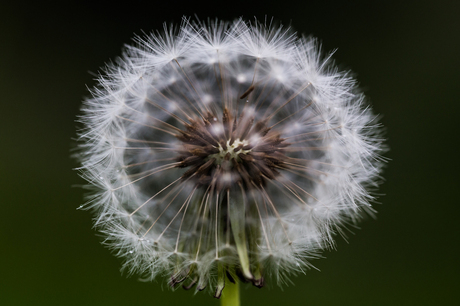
point(406, 56)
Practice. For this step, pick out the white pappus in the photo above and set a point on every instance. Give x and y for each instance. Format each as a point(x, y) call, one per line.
point(220, 151)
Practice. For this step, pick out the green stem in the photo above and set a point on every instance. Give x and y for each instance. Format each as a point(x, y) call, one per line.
point(231, 294)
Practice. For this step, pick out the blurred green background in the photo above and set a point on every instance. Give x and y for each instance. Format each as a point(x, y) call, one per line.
point(406, 57)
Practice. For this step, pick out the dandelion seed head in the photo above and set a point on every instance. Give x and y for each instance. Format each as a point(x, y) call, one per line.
point(219, 148)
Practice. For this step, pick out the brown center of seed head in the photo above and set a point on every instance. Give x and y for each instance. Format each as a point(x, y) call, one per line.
point(231, 152)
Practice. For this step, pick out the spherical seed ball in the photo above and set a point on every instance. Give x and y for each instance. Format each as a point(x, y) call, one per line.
point(226, 150)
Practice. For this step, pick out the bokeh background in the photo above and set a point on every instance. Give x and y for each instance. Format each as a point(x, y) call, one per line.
point(406, 57)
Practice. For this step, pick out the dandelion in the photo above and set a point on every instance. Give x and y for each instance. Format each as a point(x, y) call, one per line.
point(226, 151)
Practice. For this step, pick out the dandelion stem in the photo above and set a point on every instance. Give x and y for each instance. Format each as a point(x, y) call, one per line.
point(231, 294)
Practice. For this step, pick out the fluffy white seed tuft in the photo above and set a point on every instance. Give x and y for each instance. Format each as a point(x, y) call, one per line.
point(226, 150)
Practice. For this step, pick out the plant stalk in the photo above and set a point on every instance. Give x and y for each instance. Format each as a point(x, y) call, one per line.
point(230, 294)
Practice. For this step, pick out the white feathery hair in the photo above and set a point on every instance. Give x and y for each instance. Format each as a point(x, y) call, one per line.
point(217, 151)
